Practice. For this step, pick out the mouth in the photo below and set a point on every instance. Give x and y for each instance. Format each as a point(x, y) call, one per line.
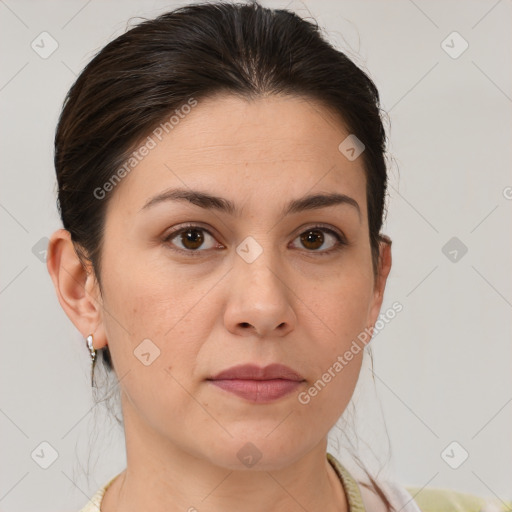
point(256, 384)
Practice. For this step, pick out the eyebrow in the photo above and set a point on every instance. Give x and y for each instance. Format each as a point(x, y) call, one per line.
point(211, 202)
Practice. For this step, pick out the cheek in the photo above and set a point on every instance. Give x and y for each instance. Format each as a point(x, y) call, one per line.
point(338, 307)
point(327, 397)
point(154, 345)
point(149, 325)
point(144, 296)
point(335, 321)
point(336, 364)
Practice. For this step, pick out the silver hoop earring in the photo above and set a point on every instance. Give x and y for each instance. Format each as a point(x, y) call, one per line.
point(92, 352)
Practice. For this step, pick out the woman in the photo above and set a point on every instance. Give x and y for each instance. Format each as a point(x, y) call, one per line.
point(222, 183)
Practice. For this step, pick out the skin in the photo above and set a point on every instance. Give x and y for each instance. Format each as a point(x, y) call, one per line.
point(211, 311)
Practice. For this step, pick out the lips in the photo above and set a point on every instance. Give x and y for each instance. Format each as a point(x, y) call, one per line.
point(253, 372)
point(256, 384)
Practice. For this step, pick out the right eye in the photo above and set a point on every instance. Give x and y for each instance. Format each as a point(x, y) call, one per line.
point(191, 237)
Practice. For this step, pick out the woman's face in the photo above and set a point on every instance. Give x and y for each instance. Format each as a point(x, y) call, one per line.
point(247, 285)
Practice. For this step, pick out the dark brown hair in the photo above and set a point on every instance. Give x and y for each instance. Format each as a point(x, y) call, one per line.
point(139, 79)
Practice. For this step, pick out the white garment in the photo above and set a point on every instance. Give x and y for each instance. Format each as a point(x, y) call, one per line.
point(399, 497)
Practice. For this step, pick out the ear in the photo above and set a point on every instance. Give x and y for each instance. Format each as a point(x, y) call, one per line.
point(383, 268)
point(76, 287)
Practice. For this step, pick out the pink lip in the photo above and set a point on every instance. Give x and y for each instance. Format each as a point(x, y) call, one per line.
point(258, 384)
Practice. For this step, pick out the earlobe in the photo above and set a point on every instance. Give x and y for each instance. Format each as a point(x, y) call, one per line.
point(75, 286)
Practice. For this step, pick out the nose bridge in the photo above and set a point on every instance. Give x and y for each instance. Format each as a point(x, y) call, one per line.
point(258, 263)
point(259, 295)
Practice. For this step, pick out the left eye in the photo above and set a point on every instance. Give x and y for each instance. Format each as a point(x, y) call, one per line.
point(314, 238)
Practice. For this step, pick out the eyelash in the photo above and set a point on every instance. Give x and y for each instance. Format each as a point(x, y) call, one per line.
point(340, 240)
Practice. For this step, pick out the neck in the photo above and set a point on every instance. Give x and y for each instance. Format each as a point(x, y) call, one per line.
point(163, 478)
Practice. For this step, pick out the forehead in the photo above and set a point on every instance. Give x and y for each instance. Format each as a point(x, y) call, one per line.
point(269, 147)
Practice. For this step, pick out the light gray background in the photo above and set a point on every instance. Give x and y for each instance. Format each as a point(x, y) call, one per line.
point(442, 366)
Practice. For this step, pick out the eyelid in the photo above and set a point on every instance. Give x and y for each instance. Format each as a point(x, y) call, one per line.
point(185, 226)
point(320, 225)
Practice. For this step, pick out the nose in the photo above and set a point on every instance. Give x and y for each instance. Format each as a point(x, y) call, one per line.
point(259, 301)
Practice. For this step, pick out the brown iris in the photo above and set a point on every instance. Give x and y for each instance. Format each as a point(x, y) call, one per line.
point(194, 237)
point(314, 237)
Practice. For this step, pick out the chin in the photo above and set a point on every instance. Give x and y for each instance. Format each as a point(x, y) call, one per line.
point(258, 453)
